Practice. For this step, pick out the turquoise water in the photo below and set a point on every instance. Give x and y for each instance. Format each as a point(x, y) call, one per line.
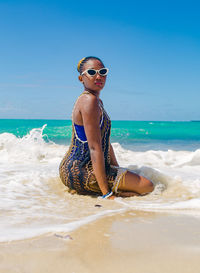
point(136, 135)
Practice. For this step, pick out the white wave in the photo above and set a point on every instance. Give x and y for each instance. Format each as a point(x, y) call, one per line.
point(160, 158)
point(192, 206)
point(30, 148)
point(13, 234)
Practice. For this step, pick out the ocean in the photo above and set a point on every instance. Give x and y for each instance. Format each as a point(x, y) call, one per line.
point(33, 201)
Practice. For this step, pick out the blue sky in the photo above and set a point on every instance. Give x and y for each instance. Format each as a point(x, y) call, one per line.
point(152, 49)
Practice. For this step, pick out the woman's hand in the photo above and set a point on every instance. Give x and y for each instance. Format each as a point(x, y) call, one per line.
point(111, 197)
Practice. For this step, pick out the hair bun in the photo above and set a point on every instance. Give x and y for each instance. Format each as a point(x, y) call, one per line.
point(79, 64)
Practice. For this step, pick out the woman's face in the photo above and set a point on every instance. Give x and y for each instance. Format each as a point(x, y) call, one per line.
point(96, 82)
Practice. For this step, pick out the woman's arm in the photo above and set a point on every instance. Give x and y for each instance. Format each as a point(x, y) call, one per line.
point(113, 160)
point(91, 116)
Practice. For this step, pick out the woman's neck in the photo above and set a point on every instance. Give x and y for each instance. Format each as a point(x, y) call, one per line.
point(95, 93)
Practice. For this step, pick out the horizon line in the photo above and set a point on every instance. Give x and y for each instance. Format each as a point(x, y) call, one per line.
point(111, 120)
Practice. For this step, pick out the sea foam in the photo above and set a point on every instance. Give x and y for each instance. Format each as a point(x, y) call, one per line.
point(33, 200)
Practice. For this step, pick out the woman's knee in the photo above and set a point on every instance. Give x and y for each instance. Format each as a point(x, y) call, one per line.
point(146, 185)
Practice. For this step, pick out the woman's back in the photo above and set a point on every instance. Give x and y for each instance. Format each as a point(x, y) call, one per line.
point(76, 164)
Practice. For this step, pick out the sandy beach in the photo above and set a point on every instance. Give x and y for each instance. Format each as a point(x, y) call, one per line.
point(131, 242)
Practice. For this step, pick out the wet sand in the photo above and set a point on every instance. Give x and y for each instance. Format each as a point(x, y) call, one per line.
point(141, 242)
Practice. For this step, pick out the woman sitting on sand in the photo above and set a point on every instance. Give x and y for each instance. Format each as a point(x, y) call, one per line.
point(90, 166)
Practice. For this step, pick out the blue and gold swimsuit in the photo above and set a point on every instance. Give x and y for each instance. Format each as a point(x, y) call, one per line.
point(76, 170)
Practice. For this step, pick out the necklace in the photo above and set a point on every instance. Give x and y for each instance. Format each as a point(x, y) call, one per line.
point(90, 92)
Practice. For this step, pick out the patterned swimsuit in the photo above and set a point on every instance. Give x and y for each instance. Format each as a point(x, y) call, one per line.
point(76, 170)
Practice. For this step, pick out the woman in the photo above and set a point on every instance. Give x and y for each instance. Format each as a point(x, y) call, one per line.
point(90, 166)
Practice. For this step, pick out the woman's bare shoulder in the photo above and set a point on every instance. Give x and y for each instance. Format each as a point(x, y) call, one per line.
point(88, 102)
point(88, 98)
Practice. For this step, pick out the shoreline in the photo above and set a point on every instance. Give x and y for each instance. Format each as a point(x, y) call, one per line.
point(135, 241)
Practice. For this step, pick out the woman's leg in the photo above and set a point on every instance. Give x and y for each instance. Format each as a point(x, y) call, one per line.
point(127, 194)
point(136, 184)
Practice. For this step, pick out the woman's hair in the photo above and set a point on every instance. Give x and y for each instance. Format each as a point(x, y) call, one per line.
point(84, 60)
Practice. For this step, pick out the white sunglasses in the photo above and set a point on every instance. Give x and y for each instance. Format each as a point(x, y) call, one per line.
point(92, 72)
